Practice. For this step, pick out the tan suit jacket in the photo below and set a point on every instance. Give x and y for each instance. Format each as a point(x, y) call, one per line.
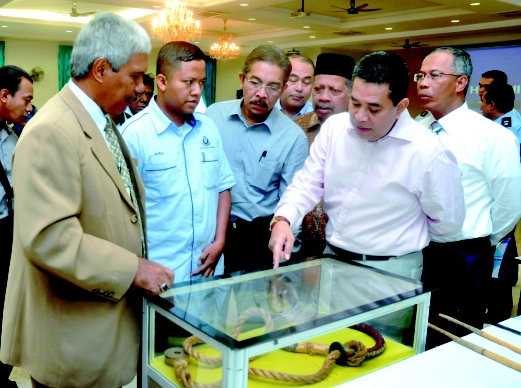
point(71, 316)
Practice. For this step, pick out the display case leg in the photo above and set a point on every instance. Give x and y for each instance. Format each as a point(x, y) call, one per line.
point(145, 344)
point(422, 319)
point(235, 368)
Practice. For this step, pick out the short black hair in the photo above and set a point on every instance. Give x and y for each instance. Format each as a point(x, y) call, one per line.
point(385, 68)
point(148, 80)
point(11, 77)
point(498, 76)
point(500, 94)
point(172, 53)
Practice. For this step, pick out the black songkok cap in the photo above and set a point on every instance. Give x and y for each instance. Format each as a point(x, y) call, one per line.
point(335, 64)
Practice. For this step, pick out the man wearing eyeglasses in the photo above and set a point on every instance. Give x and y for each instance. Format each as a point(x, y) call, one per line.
point(295, 94)
point(488, 157)
point(264, 149)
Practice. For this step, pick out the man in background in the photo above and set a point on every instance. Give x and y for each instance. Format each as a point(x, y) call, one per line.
point(497, 104)
point(488, 157)
point(16, 94)
point(293, 101)
point(330, 96)
point(489, 77)
point(186, 174)
point(264, 149)
point(141, 100)
point(138, 102)
point(73, 304)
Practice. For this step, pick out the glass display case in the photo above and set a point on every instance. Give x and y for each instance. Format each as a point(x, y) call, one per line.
point(250, 315)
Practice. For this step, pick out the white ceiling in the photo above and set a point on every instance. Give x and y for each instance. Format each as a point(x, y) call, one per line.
point(427, 21)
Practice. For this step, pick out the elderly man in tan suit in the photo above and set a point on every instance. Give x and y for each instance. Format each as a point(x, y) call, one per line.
point(74, 294)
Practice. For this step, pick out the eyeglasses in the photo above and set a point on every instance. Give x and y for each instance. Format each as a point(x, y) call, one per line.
point(433, 75)
point(257, 85)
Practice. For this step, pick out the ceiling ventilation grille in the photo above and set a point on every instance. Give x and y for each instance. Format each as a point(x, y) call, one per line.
point(511, 14)
point(347, 33)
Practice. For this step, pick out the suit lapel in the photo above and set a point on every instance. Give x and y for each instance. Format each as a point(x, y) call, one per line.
point(96, 141)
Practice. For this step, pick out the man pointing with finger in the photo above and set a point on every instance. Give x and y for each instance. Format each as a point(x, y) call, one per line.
point(387, 183)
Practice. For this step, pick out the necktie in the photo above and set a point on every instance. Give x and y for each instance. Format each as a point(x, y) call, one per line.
point(115, 149)
point(435, 127)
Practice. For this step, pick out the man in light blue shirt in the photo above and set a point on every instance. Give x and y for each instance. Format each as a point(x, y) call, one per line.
point(265, 149)
point(293, 101)
point(184, 168)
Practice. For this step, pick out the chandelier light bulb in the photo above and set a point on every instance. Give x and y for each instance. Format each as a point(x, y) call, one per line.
point(225, 49)
point(176, 22)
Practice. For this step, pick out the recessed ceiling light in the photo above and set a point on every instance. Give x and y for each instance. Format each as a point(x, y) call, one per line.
point(312, 36)
point(454, 21)
point(306, 26)
point(68, 31)
point(252, 19)
point(244, 5)
point(3, 26)
point(388, 28)
point(270, 41)
point(475, 3)
point(196, 42)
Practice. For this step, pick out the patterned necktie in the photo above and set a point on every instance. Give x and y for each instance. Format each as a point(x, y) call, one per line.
point(115, 149)
point(435, 127)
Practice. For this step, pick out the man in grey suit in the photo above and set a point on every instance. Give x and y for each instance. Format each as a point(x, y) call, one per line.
point(74, 295)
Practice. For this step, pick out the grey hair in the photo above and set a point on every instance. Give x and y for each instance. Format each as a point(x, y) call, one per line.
point(111, 37)
point(461, 62)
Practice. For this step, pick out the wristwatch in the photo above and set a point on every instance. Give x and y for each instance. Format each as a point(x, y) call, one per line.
point(276, 219)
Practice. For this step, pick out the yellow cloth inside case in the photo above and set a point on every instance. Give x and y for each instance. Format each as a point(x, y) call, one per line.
point(295, 363)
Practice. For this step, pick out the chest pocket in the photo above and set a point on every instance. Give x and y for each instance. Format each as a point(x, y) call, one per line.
point(210, 167)
point(160, 177)
point(265, 174)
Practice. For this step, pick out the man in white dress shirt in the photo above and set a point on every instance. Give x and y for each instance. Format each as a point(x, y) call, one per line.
point(488, 157)
point(387, 183)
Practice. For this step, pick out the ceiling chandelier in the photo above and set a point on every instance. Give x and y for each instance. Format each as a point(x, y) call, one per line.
point(225, 49)
point(176, 22)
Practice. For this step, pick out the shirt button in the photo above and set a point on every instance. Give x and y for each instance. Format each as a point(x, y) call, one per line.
point(133, 219)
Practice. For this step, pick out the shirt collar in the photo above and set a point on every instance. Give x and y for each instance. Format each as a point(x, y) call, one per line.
point(446, 120)
point(90, 106)
point(301, 112)
point(4, 131)
point(400, 130)
point(162, 122)
point(269, 123)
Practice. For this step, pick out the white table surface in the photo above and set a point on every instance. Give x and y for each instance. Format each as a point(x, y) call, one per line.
point(453, 366)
